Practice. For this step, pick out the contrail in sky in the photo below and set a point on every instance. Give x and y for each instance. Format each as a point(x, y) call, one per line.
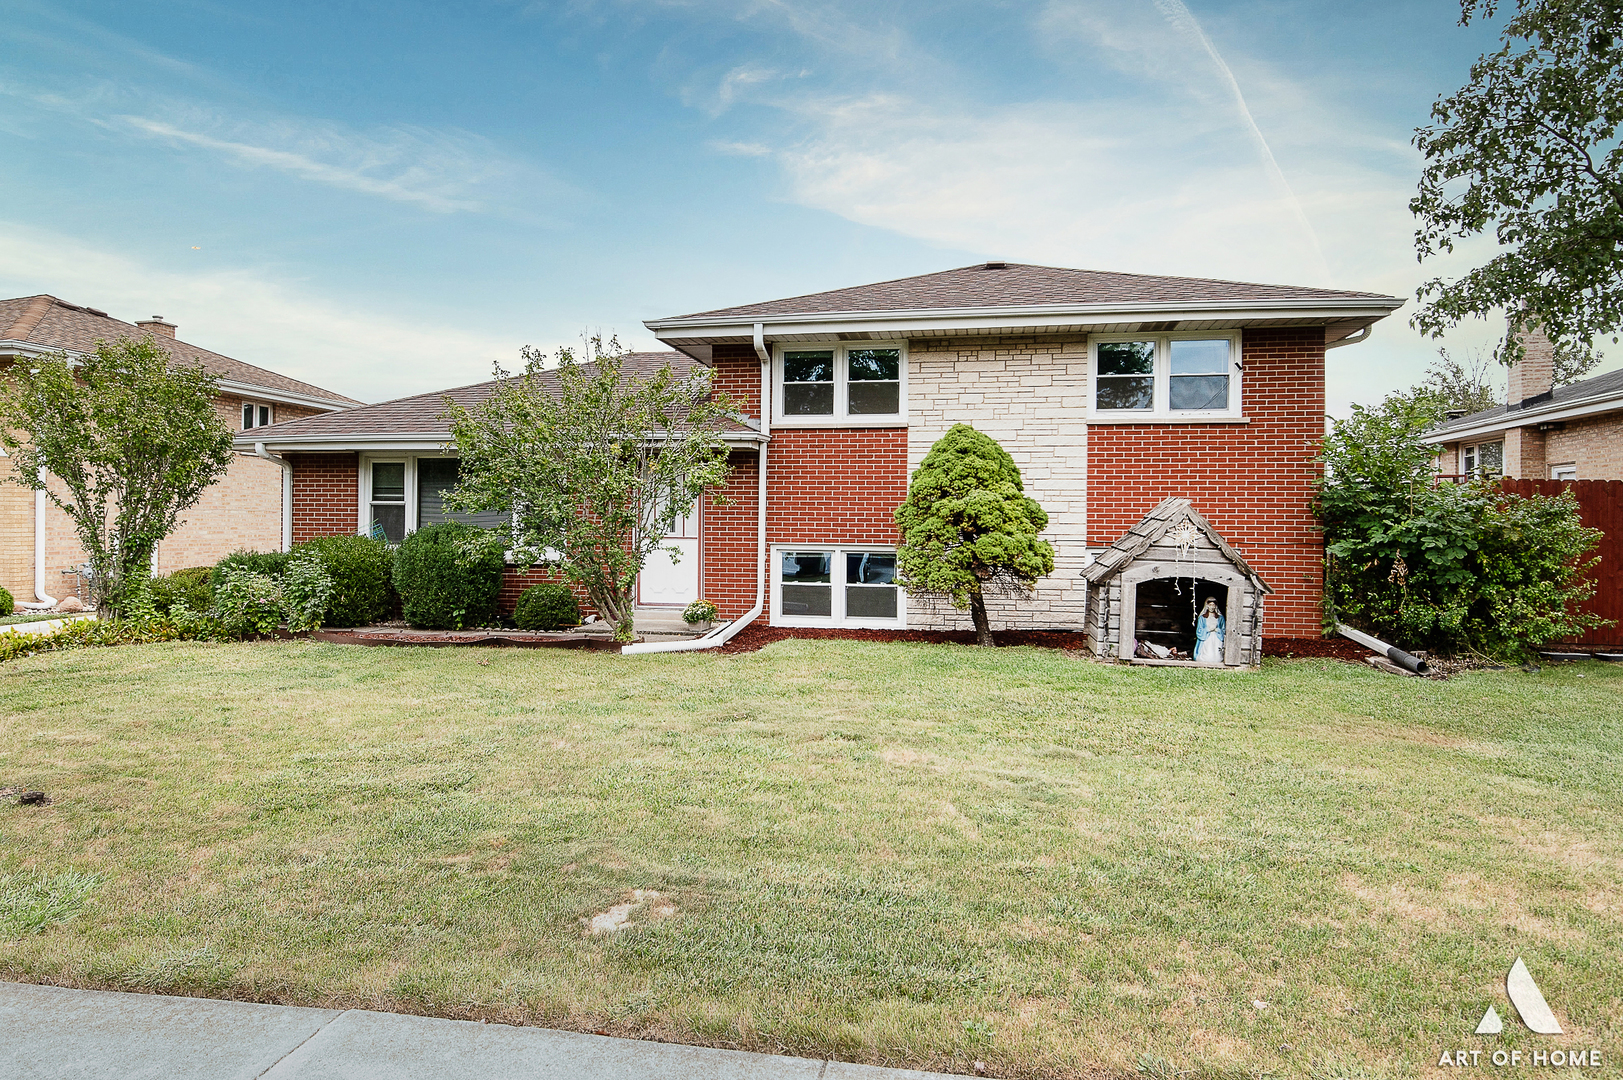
point(1182, 19)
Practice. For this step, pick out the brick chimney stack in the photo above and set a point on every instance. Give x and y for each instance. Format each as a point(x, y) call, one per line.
point(1534, 373)
point(157, 327)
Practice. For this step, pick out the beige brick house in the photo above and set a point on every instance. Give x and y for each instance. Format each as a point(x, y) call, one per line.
point(242, 510)
point(1542, 432)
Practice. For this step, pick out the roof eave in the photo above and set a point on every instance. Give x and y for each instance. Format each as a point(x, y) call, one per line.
point(901, 321)
point(1545, 414)
point(393, 441)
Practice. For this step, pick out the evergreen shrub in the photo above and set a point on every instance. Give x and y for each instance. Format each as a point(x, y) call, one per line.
point(270, 563)
point(6, 602)
point(361, 569)
point(449, 575)
point(546, 606)
point(190, 587)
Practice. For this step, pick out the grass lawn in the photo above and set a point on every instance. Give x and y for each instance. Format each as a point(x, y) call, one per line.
point(901, 854)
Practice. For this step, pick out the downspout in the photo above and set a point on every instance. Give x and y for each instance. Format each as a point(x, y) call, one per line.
point(721, 635)
point(1352, 339)
point(287, 492)
point(45, 599)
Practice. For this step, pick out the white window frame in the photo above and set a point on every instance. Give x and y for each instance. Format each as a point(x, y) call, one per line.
point(1473, 452)
point(1565, 471)
point(1161, 409)
point(837, 584)
point(363, 523)
point(840, 417)
point(256, 406)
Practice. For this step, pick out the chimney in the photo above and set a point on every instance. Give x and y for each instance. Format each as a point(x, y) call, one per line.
point(1534, 373)
point(157, 327)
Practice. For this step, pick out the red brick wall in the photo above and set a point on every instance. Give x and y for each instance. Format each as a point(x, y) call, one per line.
point(738, 371)
point(835, 485)
point(1253, 481)
point(325, 495)
point(728, 540)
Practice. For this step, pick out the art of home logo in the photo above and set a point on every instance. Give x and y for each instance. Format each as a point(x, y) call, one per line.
point(1535, 1012)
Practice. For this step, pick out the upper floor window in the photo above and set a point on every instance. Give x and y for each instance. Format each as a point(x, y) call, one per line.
point(845, 384)
point(257, 415)
point(1189, 376)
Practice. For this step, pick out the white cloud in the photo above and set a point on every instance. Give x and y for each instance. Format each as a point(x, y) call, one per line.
point(369, 355)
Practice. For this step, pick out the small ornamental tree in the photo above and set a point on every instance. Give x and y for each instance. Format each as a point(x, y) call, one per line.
point(133, 439)
point(595, 461)
point(969, 528)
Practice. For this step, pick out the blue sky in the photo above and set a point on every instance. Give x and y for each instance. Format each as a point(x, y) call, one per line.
point(384, 198)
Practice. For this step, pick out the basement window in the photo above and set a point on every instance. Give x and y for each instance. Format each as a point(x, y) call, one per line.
point(836, 586)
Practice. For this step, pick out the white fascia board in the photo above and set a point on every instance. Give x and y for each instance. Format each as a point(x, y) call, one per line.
point(1548, 414)
point(901, 323)
point(253, 390)
point(393, 443)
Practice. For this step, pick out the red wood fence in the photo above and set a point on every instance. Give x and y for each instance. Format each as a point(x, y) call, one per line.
point(1600, 503)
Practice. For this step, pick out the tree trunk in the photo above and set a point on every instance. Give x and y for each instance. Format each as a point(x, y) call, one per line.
point(977, 612)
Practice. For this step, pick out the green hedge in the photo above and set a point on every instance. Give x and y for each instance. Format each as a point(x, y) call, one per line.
point(361, 569)
point(546, 606)
point(449, 576)
point(6, 602)
point(192, 586)
point(270, 563)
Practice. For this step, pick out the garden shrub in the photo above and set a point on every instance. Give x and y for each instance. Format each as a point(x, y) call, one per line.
point(546, 606)
point(307, 589)
point(6, 602)
point(181, 625)
point(1445, 566)
point(190, 587)
point(449, 575)
point(269, 563)
point(361, 569)
point(248, 603)
point(700, 611)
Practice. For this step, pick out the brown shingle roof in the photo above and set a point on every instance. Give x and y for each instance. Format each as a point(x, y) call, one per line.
point(56, 324)
point(1021, 285)
point(423, 414)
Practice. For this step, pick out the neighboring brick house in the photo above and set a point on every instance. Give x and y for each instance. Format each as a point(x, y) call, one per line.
point(1113, 392)
point(241, 510)
point(1543, 431)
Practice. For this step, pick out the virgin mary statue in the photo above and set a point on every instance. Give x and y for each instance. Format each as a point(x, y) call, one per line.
point(1209, 634)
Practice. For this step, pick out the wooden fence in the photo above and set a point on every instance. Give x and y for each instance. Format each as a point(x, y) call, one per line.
point(1600, 502)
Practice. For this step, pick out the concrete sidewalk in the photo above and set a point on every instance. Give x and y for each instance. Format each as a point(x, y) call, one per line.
point(49, 1032)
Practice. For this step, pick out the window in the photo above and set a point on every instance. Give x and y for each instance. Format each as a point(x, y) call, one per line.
point(836, 587)
point(1185, 376)
point(846, 384)
point(402, 495)
point(1569, 471)
point(1483, 459)
point(256, 415)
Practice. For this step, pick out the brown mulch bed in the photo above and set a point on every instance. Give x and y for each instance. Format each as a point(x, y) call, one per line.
point(520, 639)
point(1297, 648)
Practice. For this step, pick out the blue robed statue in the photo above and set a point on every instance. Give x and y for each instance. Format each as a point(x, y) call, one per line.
point(1209, 634)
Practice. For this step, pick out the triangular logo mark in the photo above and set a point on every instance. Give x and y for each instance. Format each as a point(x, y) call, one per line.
point(1530, 1004)
point(1491, 1024)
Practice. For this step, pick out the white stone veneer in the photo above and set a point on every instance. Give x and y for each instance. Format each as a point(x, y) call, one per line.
point(1030, 394)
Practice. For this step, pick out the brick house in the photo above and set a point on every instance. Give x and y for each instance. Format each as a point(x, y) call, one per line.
point(243, 509)
point(1543, 431)
point(1113, 392)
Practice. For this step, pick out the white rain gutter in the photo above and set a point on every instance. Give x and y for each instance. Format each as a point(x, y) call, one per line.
point(44, 599)
point(721, 635)
point(1352, 339)
point(287, 492)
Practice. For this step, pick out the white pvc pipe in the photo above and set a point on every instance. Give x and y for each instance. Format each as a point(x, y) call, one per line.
point(721, 635)
point(45, 599)
point(287, 492)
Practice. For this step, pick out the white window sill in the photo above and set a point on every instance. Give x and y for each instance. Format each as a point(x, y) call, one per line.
point(835, 624)
point(840, 422)
point(1162, 418)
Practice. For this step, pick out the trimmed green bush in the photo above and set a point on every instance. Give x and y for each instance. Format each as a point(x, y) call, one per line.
point(248, 603)
point(190, 586)
point(449, 576)
point(272, 564)
point(6, 602)
point(361, 569)
point(546, 606)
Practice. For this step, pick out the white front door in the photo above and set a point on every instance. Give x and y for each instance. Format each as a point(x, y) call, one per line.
point(668, 582)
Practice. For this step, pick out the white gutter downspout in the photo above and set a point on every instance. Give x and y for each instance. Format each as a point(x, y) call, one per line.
point(1352, 339)
point(45, 599)
point(721, 635)
point(287, 492)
